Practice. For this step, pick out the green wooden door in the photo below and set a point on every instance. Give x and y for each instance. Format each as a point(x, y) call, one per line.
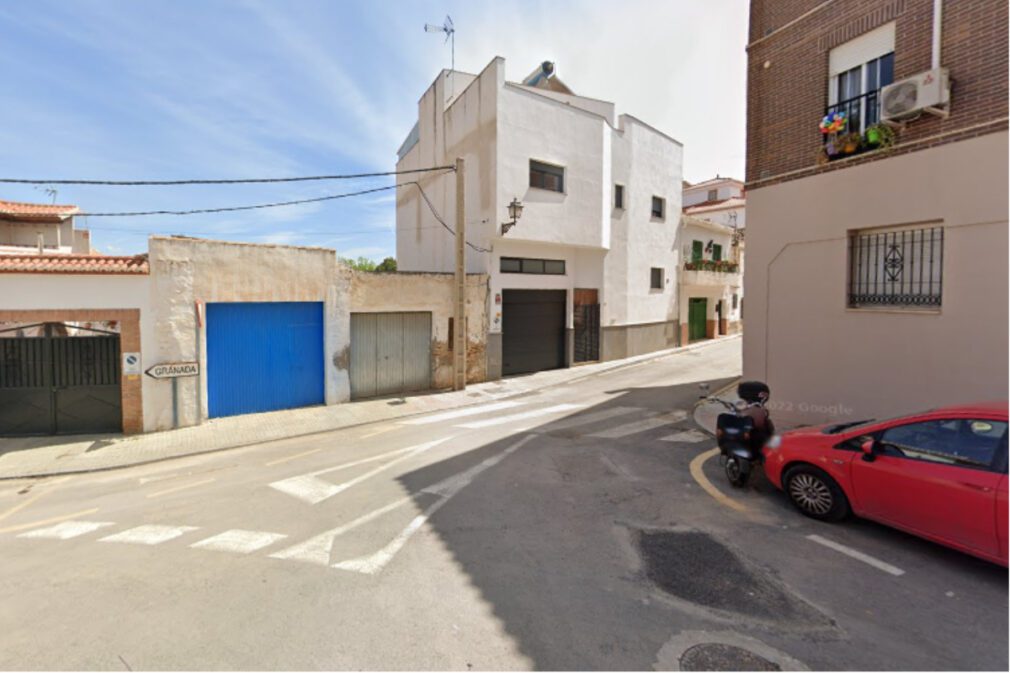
point(697, 309)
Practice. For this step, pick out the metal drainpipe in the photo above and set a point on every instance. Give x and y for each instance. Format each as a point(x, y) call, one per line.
point(937, 31)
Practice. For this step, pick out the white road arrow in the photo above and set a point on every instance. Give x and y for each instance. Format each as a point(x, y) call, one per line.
point(313, 490)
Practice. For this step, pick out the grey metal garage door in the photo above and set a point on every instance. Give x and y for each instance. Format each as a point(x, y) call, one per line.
point(533, 330)
point(390, 353)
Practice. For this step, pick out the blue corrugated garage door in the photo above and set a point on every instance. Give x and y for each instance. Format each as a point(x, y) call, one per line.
point(264, 356)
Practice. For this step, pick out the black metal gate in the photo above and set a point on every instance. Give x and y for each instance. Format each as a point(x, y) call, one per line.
point(587, 332)
point(59, 384)
point(533, 330)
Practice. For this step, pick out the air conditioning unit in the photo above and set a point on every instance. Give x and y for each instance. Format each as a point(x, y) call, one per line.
point(924, 92)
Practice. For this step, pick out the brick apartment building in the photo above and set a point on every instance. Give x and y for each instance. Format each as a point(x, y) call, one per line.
point(877, 252)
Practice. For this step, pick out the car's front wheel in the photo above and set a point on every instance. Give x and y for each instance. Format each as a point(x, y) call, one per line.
point(816, 494)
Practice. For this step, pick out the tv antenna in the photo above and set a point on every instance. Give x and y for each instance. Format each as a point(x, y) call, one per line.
point(450, 34)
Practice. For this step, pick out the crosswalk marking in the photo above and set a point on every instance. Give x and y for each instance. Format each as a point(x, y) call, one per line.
point(642, 425)
point(66, 530)
point(687, 436)
point(149, 534)
point(461, 413)
point(309, 488)
point(586, 419)
point(447, 488)
point(500, 420)
point(239, 541)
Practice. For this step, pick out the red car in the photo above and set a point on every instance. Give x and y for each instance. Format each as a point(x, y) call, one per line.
point(941, 475)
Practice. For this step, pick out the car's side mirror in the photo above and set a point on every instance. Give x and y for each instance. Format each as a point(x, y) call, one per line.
point(868, 448)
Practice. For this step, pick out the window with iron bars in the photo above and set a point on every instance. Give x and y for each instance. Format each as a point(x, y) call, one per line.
point(899, 267)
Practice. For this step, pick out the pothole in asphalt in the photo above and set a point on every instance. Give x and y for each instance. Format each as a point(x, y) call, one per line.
point(721, 657)
point(695, 567)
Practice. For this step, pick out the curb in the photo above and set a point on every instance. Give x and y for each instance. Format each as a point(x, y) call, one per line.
point(137, 463)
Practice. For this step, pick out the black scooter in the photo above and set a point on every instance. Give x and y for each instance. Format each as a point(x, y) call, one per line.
point(740, 443)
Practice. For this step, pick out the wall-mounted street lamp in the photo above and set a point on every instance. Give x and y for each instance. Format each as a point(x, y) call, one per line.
point(515, 212)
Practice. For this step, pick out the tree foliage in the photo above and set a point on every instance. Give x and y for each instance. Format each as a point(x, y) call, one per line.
point(365, 264)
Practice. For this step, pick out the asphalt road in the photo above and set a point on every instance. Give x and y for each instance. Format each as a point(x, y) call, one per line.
point(560, 530)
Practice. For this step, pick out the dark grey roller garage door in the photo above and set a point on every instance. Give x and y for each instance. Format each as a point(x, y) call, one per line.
point(533, 330)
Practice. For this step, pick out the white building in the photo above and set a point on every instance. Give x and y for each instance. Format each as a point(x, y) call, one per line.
point(43, 229)
point(719, 200)
point(589, 271)
point(711, 278)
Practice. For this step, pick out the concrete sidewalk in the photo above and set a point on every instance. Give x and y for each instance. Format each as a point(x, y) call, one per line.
point(46, 456)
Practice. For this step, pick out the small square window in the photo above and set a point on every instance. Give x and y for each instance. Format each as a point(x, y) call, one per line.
point(619, 197)
point(545, 176)
point(656, 280)
point(511, 265)
point(713, 194)
point(658, 207)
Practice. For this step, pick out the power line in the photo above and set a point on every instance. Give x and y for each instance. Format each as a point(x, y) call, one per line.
point(236, 181)
point(438, 217)
point(229, 209)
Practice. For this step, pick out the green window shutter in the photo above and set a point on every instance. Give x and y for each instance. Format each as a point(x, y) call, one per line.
point(716, 252)
point(697, 251)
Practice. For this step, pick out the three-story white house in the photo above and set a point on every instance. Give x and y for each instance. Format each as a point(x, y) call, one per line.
point(589, 271)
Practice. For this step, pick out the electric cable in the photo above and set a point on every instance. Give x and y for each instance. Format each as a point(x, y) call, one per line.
point(232, 181)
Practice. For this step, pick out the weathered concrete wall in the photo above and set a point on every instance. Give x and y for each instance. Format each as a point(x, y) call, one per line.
point(185, 271)
point(625, 341)
point(404, 291)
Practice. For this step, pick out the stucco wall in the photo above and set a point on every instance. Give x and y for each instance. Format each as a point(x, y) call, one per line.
point(184, 271)
point(824, 360)
point(394, 292)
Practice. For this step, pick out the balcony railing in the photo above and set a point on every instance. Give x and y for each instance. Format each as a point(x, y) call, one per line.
point(861, 112)
point(722, 266)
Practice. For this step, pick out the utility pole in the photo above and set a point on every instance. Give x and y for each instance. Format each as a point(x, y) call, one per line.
point(459, 333)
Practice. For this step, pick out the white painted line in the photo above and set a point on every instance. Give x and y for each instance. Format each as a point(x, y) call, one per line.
point(446, 488)
point(149, 534)
point(317, 549)
point(688, 436)
point(858, 555)
point(636, 427)
point(67, 529)
point(586, 419)
point(309, 488)
point(461, 413)
point(239, 541)
point(501, 420)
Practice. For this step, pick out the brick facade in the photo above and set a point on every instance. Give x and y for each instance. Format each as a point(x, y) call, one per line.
point(129, 341)
point(786, 100)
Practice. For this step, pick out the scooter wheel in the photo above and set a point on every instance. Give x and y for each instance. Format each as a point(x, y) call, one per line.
point(736, 475)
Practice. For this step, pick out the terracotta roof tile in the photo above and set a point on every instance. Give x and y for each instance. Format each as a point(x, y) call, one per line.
point(20, 210)
point(100, 264)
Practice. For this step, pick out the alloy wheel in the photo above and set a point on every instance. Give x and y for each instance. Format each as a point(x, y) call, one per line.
point(811, 493)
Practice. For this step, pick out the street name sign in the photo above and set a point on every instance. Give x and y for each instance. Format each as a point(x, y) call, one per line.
point(173, 370)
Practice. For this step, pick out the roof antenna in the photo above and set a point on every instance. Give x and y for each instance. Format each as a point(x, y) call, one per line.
point(450, 33)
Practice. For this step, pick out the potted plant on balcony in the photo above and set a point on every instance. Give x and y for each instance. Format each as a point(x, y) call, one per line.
point(831, 126)
point(880, 136)
point(849, 143)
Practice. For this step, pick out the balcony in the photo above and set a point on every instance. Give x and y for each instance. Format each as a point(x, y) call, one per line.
point(857, 128)
point(710, 273)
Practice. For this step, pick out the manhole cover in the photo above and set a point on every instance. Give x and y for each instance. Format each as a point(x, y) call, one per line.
point(720, 657)
point(695, 567)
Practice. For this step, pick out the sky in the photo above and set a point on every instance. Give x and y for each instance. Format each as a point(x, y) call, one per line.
point(239, 89)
